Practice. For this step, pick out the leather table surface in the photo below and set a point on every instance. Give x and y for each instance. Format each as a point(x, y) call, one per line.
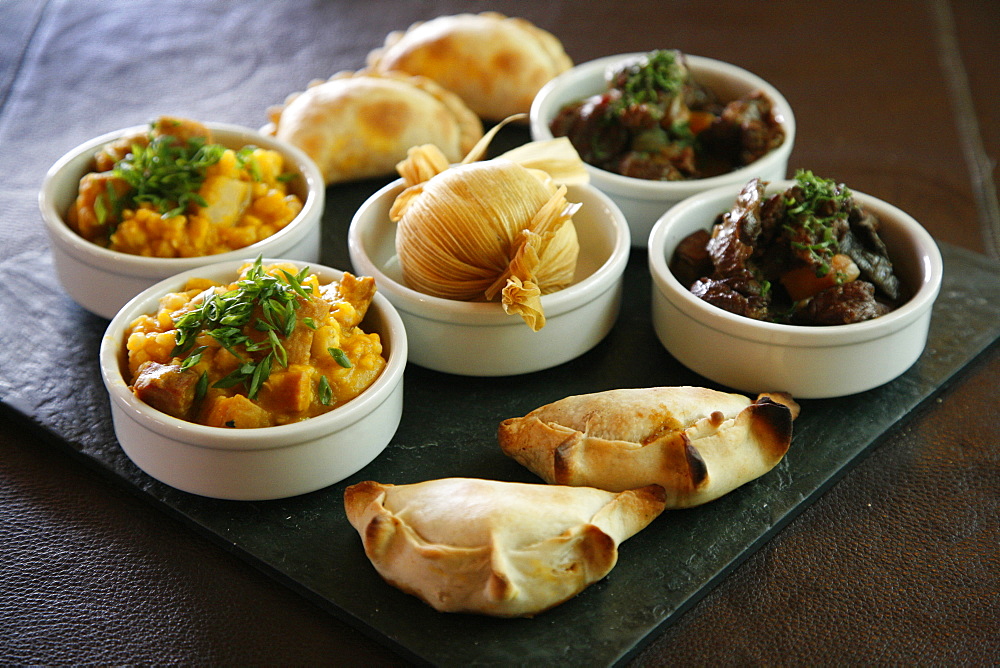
point(897, 563)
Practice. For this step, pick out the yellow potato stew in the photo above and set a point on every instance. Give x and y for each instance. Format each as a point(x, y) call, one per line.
point(172, 192)
point(271, 348)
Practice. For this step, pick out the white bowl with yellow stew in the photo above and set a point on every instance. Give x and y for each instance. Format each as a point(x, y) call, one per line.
point(255, 379)
point(138, 205)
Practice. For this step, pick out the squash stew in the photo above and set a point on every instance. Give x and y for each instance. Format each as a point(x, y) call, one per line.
point(172, 192)
point(271, 348)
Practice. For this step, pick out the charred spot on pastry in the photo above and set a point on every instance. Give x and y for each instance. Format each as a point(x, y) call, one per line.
point(783, 398)
point(772, 425)
point(696, 465)
point(654, 493)
point(598, 550)
point(652, 497)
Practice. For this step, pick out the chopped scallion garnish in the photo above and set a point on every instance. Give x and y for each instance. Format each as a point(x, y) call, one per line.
point(325, 391)
point(227, 317)
point(340, 357)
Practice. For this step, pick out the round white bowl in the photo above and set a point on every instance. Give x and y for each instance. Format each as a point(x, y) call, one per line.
point(810, 362)
point(262, 463)
point(103, 280)
point(641, 200)
point(478, 338)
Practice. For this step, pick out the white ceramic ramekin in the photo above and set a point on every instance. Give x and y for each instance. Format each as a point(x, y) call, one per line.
point(103, 280)
point(479, 339)
point(643, 201)
point(262, 463)
point(810, 362)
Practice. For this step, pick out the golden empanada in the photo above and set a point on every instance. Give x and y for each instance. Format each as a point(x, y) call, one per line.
point(495, 548)
point(495, 63)
point(696, 443)
point(358, 125)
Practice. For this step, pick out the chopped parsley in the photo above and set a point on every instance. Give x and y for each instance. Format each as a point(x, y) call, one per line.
point(657, 72)
point(647, 81)
point(815, 206)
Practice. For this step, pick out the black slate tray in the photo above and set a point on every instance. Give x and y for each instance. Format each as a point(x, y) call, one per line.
point(448, 429)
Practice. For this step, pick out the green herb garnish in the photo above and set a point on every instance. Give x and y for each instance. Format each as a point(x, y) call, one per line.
point(819, 203)
point(226, 317)
point(657, 72)
point(201, 388)
point(325, 391)
point(340, 357)
point(817, 193)
point(100, 210)
point(193, 357)
point(246, 160)
point(167, 172)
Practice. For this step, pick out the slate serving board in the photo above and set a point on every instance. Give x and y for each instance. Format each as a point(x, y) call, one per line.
point(449, 429)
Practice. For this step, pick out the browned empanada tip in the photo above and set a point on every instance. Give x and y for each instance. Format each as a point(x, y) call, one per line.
point(697, 444)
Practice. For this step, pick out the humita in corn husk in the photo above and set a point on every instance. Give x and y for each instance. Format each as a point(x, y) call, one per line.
point(485, 230)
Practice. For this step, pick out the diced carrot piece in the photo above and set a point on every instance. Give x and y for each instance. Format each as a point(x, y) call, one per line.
point(700, 120)
point(802, 282)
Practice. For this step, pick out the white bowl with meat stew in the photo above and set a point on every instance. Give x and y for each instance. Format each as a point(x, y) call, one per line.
point(102, 280)
point(262, 462)
point(642, 200)
point(478, 338)
point(808, 361)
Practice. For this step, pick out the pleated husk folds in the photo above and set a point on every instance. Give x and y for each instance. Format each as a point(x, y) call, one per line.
point(488, 228)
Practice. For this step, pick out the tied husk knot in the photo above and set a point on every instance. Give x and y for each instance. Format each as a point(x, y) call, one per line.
point(488, 229)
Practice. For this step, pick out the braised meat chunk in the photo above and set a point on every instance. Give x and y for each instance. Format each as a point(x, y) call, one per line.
point(656, 121)
point(841, 305)
point(167, 388)
point(806, 256)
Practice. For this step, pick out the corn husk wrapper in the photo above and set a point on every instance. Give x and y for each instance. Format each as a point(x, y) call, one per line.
point(491, 228)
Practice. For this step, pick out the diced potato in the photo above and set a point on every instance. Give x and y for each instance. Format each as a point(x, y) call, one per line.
point(227, 199)
point(236, 412)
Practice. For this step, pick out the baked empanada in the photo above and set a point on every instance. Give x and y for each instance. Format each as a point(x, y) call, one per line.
point(696, 443)
point(495, 548)
point(495, 63)
point(358, 125)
